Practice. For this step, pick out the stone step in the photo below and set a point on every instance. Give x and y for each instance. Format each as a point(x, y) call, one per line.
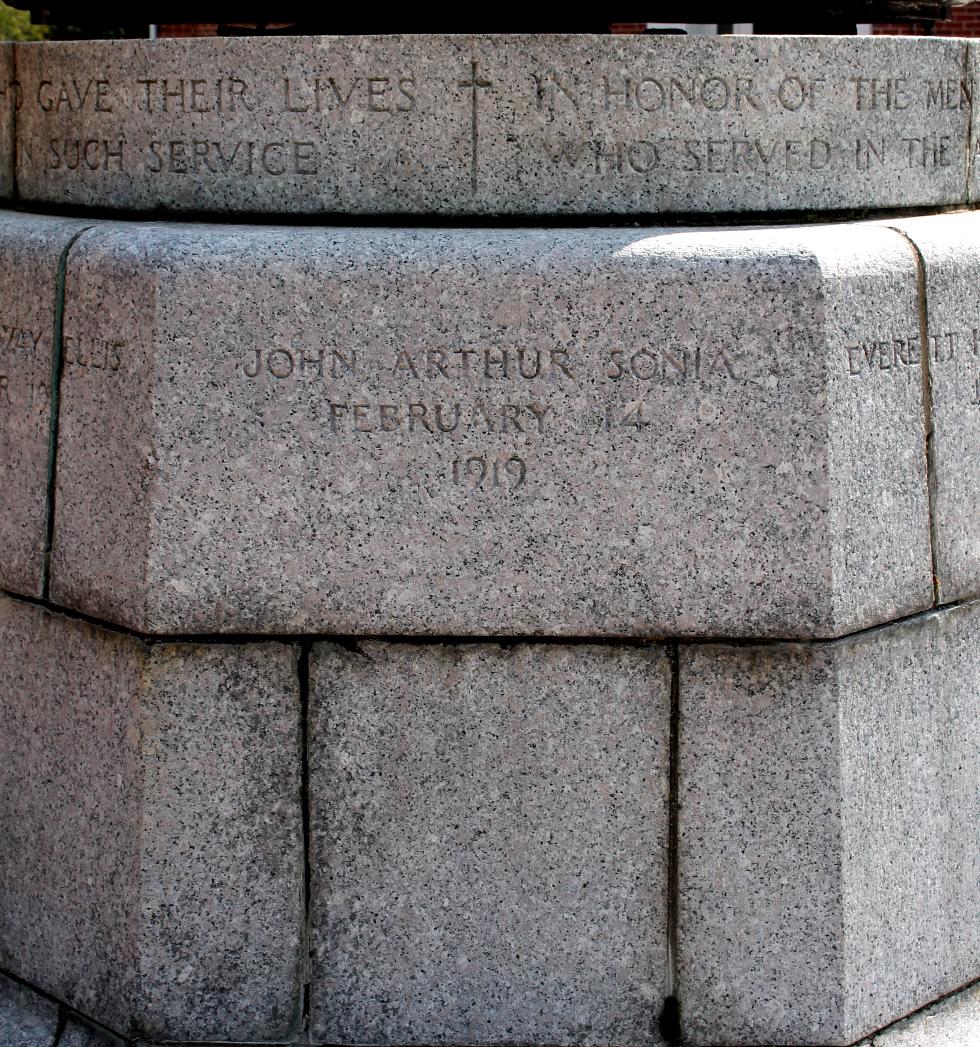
point(152, 868)
point(952, 1022)
point(488, 834)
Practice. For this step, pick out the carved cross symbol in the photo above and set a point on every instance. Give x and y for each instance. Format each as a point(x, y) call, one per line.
point(474, 84)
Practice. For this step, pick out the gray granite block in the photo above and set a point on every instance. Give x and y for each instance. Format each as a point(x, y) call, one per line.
point(973, 70)
point(80, 1034)
point(828, 867)
point(26, 1019)
point(495, 124)
point(7, 103)
point(30, 251)
point(565, 432)
point(151, 872)
point(955, 1022)
point(950, 250)
point(489, 843)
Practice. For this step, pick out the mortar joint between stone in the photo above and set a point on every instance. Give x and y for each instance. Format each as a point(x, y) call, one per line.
point(922, 294)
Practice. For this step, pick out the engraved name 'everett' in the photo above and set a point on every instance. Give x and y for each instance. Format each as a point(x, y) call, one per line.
point(869, 356)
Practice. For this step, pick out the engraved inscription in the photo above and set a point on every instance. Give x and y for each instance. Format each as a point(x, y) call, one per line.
point(512, 393)
point(474, 85)
point(479, 470)
point(74, 96)
point(889, 354)
point(640, 99)
point(98, 354)
point(30, 393)
point(20, 345)
point(960, 349)
point(19, 340)
point(671, 363)
point(611, 92)
point(632, 120)
point(885, 354)
point(467, 364)
point(435, 417)
point(946, 349)
point(224, 95)
point(249, 157)
point(376, 94)
point(90, 154)
point(953, 345)
point(300, 363)
point(749, 156)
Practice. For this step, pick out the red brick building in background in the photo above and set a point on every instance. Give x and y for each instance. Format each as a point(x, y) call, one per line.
point(963, 21)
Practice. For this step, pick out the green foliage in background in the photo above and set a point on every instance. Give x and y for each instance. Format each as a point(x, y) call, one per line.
point(16, 25)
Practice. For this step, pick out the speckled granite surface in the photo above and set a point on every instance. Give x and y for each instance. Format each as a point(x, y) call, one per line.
point(492, 432)
point(829, 874)
point(151, 871)
point(506, 125)
point(489, 834)
point(30, 251)
point(950, 251)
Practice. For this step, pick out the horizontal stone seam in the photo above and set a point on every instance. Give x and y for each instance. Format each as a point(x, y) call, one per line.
point(350, 641)
point(871, 1040)
point(226, 1043)
point(727, 221)
point(65, 1010)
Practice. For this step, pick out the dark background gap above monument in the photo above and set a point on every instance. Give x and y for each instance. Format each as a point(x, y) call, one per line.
point(263, 18)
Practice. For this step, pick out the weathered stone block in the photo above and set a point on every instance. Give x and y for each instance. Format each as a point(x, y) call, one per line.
point(77, 1034)
point(489, 830)
point(495, 124)
point(829, 875)
point(7, 102)
point(973, 71)
point(26, 1019)
point(570, 432)
point(950, 249)
point(31, 249)
point(151, 873)
point(955, 1022)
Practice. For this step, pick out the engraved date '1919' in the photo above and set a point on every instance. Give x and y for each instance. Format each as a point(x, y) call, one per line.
point(481, 471)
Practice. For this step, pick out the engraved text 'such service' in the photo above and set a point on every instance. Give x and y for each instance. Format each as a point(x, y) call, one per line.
point(462, 603)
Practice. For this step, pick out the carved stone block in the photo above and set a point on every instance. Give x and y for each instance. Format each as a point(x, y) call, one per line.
point(26, 1020)
point(489, 830)
point(30, 252)
point(152, 866)
point(828, 868)
point(569, 432)
point(7, 103)
point(495, 124)
point(950, 250)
